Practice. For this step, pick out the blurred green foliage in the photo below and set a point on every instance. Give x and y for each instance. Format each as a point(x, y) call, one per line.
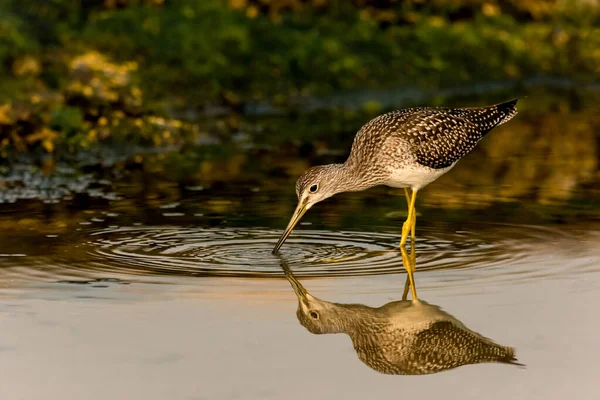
point(77, 72)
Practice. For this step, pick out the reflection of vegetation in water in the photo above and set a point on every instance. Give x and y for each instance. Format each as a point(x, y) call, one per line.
point(545, 157)
point(401, 337)
point(76, 73)
point(520, 172)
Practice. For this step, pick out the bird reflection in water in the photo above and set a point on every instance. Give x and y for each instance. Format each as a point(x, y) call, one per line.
point(406, 337)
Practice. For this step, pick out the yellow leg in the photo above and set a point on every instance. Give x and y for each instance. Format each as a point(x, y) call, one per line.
point(414, 220)
point(410, 264)
point(411, 221)
point(406, 288)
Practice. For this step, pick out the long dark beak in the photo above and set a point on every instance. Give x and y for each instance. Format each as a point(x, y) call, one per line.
point(300, 210)
point(297, 286)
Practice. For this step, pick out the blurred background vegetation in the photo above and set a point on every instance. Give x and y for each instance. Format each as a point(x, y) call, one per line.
point(77, 73)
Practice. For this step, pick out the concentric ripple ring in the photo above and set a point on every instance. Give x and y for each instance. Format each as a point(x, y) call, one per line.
point(246, 252)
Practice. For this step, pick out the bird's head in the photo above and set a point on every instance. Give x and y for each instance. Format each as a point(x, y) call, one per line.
point(319, 316)
point(316, 315)
point(317, 184)
point(314, 185)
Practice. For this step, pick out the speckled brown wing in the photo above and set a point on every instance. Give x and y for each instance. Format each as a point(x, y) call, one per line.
point(442, 136)
point(439, 139)
point(434, 137)
point(444, 345)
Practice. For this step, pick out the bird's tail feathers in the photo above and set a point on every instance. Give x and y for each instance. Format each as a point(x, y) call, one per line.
point(509, 357)
point(506, 111)
point(488, 117)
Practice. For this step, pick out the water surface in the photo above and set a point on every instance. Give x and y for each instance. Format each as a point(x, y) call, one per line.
point(151, 284)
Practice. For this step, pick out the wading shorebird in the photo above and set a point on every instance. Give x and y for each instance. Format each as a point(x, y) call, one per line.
point(407, 148)
point(402, 337)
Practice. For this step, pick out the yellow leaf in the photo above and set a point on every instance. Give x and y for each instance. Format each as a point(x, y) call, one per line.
point(48, 145)
point(27, 65)
point(490, 10)
point(252, 12)
point(5, 118)
point(44, 134)
point(237, 4)
point(136, 92)
point(88, 91)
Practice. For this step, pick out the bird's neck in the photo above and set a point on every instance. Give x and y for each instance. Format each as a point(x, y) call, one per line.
point(354, 317)
point(348, 178)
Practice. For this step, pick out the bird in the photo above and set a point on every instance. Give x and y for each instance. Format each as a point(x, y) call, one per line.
point(408, 148)
point(405, 337)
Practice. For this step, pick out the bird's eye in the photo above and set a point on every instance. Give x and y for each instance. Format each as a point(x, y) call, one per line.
point(313, 188)
point(314, 315)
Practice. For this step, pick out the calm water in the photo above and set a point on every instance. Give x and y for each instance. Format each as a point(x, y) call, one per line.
point(141, 284)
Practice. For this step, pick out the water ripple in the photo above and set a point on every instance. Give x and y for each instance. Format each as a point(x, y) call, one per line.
point(247, 252)
point(507, 253)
